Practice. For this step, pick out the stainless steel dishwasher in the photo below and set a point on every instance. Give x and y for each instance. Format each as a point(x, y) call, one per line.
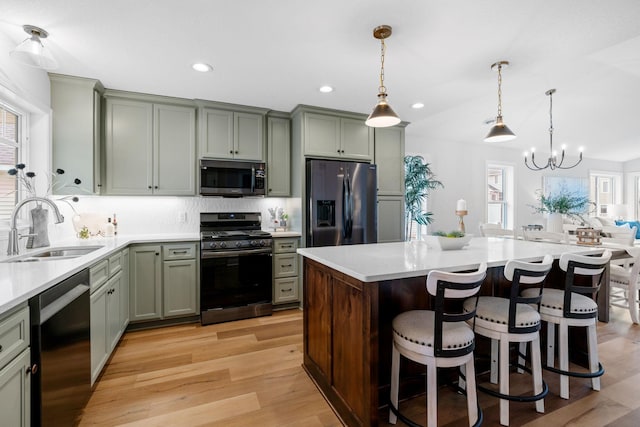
point(60, 352)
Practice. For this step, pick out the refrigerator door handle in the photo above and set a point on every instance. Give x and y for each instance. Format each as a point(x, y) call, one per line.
point(253, 178)
point(347, 209)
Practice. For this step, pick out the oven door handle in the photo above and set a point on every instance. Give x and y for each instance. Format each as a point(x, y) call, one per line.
point(224, 254)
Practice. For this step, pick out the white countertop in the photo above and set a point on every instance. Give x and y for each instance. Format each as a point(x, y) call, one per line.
point(20, 281)
point(277, 234)
point(388, 261)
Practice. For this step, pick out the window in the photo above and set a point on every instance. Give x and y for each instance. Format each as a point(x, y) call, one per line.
point(10, 138)
point(605, 190)
point(500, 195)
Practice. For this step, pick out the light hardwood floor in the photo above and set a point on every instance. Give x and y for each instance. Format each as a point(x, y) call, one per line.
point(248, 373)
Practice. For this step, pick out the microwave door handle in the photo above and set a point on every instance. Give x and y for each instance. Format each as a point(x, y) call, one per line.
point(253, 178)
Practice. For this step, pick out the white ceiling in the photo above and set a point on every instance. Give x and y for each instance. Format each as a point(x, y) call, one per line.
point(277, 53)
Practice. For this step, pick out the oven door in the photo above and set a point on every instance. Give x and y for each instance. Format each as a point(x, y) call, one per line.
point(235, 278)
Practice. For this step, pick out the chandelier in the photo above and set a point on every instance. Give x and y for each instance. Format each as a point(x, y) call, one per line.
point(552, 162)
point(382, 115)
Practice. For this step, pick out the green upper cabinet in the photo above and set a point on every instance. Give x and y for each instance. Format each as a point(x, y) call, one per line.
point(278, 157)
point(389, 157)
point(227, 134)
point(336, 136)
point(76, 106)
point(150, 148)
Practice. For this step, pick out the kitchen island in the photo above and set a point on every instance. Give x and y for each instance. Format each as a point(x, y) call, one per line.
point(352, 293)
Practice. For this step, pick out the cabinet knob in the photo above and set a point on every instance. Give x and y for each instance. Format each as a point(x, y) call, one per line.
point(156, 187)
point(286, 290)
point(338, 151)
point(33, 369)
point(99, 185)
point(157, 253)
point(230, 151)
point(342, 151)
point(237, 151)
point(0, 348)
point(270, 190)
point(149, 187)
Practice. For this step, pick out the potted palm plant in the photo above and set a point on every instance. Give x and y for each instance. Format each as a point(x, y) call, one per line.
point(418, 181)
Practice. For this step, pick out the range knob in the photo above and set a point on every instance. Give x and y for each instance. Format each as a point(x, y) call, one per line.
point(253, 243)
point(223, 245)
point(261, 242)
point(238, 244)
point(212, 245)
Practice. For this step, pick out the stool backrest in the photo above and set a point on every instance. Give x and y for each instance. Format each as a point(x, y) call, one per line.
point(453, 286)
point(582, 265)
point(531, 274)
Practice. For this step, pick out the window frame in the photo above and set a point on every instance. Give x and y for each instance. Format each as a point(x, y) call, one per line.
point(508, 192)
point(615, 190)
point(21, 144)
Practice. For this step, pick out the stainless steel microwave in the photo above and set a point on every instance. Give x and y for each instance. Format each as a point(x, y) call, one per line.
point(232, 179)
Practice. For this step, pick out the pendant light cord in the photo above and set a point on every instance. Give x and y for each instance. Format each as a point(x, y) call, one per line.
point(551, 123)
point(499, 90)
point(383, 48)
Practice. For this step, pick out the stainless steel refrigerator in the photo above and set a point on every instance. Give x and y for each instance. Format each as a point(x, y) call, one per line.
point(341, 203)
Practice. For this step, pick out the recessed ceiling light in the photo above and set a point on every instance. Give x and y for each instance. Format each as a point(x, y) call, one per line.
point(203, 68)
point(417, 105)
point(326, 89)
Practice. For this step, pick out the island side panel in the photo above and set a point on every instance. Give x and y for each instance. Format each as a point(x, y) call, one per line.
point(341, 341)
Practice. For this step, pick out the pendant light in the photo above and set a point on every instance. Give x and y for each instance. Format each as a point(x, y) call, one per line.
point(552, 162)
point(382, 115)
point(499, 132)
point(32, 52)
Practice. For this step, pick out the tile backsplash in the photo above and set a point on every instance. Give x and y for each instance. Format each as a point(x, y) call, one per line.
point(144, 215)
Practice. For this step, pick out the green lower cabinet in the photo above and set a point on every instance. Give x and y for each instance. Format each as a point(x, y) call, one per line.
point(99, 353)
point(15, 392)
point(179, 294)
point(163, 281)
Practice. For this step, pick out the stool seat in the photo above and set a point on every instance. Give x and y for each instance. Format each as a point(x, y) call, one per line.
point(553, 302)
point(493, 313)
point(414, 330)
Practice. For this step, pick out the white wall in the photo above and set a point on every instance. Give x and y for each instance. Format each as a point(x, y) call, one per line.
point(461, 168)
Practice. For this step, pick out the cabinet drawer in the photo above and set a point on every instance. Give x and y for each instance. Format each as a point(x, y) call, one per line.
point(284, 245)
point(115, 263)
point(285, 265)
point(14, 335)
point(98, 274)
point(285, 290)
point(180, 251)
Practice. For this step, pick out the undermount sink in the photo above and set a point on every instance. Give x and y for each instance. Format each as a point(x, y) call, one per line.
point(51, 254)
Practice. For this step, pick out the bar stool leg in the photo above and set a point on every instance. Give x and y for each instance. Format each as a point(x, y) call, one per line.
point(494, 361)
point(522, 352)
point(551, 342)
point(563, 343)
point(472, 397)
point(536, 367)
point(395, 379)
point(593, 355)
point(432, 394)
point(504, 381)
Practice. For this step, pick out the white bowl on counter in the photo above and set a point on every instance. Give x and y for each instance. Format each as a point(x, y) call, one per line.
point(448, 243)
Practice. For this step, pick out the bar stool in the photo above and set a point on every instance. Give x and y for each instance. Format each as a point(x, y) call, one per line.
point(572, 307)
point(514, 319)
point(436, 338)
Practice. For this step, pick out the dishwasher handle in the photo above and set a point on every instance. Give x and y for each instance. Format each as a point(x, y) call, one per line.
point(61, 302)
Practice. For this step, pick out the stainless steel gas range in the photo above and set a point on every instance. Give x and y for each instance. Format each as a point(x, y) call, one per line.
point(235, 267)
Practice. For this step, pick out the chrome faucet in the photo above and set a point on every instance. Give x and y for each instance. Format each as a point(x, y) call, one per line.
point(12, 248)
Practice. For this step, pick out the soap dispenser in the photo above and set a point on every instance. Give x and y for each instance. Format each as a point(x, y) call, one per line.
point(108, 229)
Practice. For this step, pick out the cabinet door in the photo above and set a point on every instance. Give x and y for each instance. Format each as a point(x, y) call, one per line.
point(129, 147)
point(174, 150)
point(321, 135)
point(99, 350)
point(278, 158)
point(248, 137)
point(389, 156)
point(356, 139)
point(76, 133)
point(114, 324)
point(390, 219)
point(145, 283)
point(216, 133)
point(15, 392)
point(180, 287)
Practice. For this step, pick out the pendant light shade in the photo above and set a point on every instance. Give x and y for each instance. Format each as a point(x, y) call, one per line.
point(382, 115)
point(32, 52)
point(499, 132)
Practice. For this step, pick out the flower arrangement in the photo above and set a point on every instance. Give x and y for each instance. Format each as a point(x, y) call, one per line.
point(454, 234)
point(564, 202)
point(29, 184)
point(278, 216)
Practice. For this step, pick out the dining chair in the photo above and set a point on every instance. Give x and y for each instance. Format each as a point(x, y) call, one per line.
point(624, 286)
point(438, 338)
point(544, 236)
point(495, 230)
point(620, 235)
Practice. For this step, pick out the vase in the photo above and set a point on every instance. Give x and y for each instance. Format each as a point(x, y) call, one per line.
point(39, 234)
point(554, 223)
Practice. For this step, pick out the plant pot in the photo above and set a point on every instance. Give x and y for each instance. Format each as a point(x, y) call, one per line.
point(554, 223)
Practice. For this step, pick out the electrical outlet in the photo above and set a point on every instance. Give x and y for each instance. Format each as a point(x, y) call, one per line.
point(182, 217)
